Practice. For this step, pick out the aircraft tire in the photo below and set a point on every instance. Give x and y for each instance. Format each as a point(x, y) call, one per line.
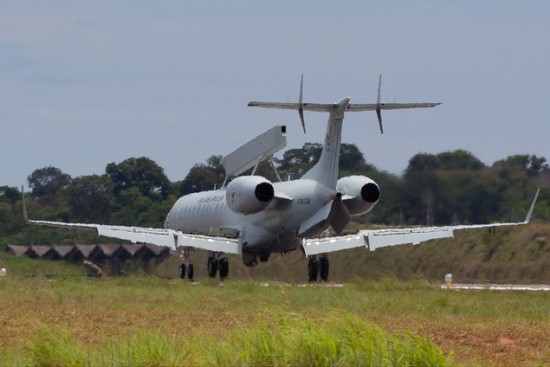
point(190, 272)
point(313, 269)
point(224, 268)
point(324, 269)
point(182, 271)
point(212, 266)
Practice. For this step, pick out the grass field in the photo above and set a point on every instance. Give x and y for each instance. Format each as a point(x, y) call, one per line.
point(145, 320)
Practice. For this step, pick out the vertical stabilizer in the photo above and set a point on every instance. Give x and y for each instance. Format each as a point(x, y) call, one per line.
point(326, 169)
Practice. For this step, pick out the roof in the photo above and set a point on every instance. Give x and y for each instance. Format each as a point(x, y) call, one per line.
point(75, 253)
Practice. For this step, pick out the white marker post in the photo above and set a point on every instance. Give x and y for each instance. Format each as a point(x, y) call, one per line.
point(449, 280)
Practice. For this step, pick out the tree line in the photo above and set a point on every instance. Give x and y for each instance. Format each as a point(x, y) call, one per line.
point(435, 189)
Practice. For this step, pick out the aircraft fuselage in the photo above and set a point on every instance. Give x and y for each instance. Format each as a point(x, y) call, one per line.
point(274, 229)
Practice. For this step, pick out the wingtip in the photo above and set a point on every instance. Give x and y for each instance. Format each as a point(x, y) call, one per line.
point(25, 214)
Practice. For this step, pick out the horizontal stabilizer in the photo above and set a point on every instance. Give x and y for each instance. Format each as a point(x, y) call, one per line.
point(316, 107)
point(321, 107)
point(388, 106)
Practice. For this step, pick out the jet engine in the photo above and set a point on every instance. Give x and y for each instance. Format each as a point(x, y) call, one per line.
point(249, 194)
point(359, 193)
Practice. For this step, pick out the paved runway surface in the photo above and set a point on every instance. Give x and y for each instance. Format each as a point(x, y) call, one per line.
point(501, 287)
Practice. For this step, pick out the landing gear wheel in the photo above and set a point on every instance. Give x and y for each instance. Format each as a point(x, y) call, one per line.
point(212, 266)
point(186, 269)
point(313, 269)
point(224, 268)
point(324, 269)
point(182, 271)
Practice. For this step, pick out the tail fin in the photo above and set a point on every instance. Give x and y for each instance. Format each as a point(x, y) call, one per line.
point(326, 169)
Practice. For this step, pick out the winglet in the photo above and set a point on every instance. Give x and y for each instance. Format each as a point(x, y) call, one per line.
point(25, 215)
point(532, 208)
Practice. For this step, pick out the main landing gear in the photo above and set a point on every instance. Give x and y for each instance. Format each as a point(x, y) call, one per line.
point(318, 267)
point(187, 267)
point(216, 264)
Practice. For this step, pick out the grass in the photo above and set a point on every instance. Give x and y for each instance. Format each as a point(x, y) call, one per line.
point(289, 341)
point(144, 320)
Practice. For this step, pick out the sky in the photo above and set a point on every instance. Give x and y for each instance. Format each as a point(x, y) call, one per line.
point(87, 83)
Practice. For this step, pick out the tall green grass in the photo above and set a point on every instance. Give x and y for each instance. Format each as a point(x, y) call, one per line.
point(289, 341)
point(145, 320)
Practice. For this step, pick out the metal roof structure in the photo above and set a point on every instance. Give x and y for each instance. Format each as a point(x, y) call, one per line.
point(77, 253)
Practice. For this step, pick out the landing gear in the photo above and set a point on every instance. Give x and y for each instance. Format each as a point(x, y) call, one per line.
point(224, 268)
point(318, 266)
point(187, 267)
point(212, 266)
point(313, 269)
point(216, 263)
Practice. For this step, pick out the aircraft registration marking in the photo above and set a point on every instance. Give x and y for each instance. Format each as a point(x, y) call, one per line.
point(211, 199)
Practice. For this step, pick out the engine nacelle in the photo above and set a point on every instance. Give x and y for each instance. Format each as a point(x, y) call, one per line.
point(249, 194)
point(365, 193)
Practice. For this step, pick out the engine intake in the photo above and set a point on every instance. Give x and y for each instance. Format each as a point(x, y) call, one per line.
point(249, 194)
point(370, 192)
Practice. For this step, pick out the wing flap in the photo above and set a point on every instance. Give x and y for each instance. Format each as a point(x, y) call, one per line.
point(383, 238)
point(160, 237)
point(210, 243)
point(331, 244)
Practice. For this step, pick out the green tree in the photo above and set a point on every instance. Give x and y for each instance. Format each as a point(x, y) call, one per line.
point(129, 207)
point(9, 194)
point(529, 164)
point(452, 160)
point(296, 162)
point(203, 177)
point(142, 173)
point(90, 199)
point(352, 161)
point(47, 181)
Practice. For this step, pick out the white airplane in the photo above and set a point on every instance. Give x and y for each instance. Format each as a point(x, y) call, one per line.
point(253, 217)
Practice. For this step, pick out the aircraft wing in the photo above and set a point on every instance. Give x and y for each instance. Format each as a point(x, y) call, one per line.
point(156, 236)
point(376, 238)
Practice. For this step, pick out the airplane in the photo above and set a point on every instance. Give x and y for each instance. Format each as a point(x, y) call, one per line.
point(253, 217)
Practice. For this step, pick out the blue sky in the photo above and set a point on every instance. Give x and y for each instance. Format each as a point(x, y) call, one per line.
point(84, 83)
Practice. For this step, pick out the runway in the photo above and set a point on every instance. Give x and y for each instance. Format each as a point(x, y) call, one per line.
point(492, 287)
point(500, 287)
